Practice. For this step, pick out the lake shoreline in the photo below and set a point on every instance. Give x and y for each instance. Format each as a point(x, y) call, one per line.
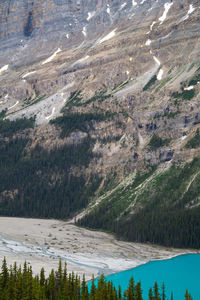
point(41, 242)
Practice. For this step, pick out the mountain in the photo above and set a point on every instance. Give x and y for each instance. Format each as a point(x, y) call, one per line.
point(100, 115)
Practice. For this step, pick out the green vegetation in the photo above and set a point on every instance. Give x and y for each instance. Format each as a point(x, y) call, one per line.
point(37, 182)
point(185, 94)
point(110, 139)
point(120, 86)
point(83, 122)
point(75, 98)
point(17, 283)
point(9, 128)
point(194, 142)
point(37, 99)
point(156, 142)
point(194, 80)
point(150, 83)
point(161, 208)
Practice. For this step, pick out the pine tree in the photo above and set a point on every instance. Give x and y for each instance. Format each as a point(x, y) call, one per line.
point(93, 289)
point(187, 295)
point(131, 289)
point(119, 293)
point(156, 292)
point(163, 292)
point(4, 273)
point(138, 291)
point(151, 297)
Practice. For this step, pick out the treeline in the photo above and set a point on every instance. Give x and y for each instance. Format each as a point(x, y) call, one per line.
point(17, 283)
point(38, 182)
point(167, 213)
point(70, 122)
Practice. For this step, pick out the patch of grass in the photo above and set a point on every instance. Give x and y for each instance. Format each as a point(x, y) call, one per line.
point(185, 95)
point(156, 142)
point(150, 83)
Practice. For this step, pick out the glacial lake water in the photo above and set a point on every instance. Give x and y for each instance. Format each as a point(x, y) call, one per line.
point(177, 273)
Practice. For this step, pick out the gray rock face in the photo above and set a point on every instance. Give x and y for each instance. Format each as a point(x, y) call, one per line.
point(38, 26)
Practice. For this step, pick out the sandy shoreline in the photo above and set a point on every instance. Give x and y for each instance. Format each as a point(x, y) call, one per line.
point(42, 242)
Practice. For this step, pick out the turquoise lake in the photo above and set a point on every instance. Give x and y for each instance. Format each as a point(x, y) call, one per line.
point(177, 273)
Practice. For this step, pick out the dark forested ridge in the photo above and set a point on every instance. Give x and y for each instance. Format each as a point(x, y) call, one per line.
point(19, 283)
point(164, 215)
point(38, 182)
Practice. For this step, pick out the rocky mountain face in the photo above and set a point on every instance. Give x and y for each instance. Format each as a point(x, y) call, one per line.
point(113, 87)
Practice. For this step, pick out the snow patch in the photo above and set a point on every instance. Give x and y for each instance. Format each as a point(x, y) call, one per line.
point(160, 74)
point(127, 72)
point(156, 60)
point(84, 32)
point(130, 58)
point(148, 42)
point(123, 5)
point(13, 105)
point(51, 115)
point(167, 8)
point(151, 26)
point(90, 15)
point(67, 35)
point(108, 36)
point(82, 59)
point(189, 88)
point(51, 57)
point(191, 9)
point(134, 3)
point(6, 96)
point(143, 1)
point(27, 74)
point(3, 69)
point(108, 10)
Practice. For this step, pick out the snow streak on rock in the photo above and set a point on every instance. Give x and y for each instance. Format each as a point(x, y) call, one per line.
point(156, 60)
point(134, 3)
point(108, 36)
point(123, 5)
point(28, 74)
point(108, 9)
point(160, 74)
point(84, 32)
point(51, 57)
point(166, 7)
point(51, 115)
point(82, 59)
point(90, 15)
point(148, 42)
point(191, 9)
point(13, 105)
point(151, 26)
point(3, 69)
point(189, 88)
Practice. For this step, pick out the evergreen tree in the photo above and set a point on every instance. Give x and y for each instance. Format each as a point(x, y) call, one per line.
point(163, 292)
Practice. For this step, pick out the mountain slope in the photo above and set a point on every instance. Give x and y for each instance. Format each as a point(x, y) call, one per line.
point(112, 90)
